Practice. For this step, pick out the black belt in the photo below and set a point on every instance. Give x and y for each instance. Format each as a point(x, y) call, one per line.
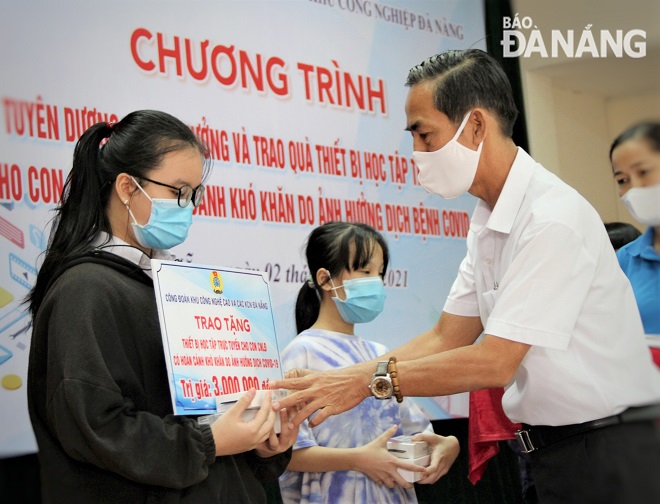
point(533, 437)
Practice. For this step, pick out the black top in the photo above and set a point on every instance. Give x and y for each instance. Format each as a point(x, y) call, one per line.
point(100, 403)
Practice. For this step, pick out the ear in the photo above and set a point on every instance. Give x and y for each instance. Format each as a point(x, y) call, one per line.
point(323, 279)
point(478, 126)
point(125, 187)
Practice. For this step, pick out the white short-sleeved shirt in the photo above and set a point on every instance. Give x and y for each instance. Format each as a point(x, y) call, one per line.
point(540, 270)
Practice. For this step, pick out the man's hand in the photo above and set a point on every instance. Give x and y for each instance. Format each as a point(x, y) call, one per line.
point(329, 393)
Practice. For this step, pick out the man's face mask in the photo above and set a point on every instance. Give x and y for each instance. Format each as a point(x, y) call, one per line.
point(450, 170)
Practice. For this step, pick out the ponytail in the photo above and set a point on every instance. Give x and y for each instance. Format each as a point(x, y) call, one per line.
point(308, 306)
point(80, 213)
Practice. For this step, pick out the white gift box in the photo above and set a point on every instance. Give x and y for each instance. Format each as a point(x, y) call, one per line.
point(403, 447)
point(223, 403)
point(413, 476)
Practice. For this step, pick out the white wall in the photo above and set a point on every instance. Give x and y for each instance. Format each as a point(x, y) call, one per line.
point(576, 108)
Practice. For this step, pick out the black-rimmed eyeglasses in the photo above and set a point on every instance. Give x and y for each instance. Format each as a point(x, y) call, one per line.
point(186, 193)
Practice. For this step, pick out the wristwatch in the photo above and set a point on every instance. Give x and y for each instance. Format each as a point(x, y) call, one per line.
point(381, 384)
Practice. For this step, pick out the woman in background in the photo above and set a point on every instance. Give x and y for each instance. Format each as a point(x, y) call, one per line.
point(635, 157)
point(345, 459)
point(98, 390)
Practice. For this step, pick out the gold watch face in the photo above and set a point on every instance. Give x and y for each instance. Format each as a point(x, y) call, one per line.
point(381, 387)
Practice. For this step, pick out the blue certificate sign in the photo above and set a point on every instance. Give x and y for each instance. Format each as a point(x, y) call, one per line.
point(218, 333)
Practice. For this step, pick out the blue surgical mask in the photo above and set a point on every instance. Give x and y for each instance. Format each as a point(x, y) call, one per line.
point(365, 298)
point(167, 226)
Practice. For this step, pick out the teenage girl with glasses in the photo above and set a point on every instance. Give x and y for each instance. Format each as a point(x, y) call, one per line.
point(98, 390)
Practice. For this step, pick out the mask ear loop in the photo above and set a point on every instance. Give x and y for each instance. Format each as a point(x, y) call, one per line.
point(332, 283)
point(462, 127)
point(333, 288)
point(131, 213)
point(127, 201)
point(135, 222)
point(140, 188)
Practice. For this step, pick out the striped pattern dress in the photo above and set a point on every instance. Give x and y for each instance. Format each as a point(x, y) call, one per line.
point(322, 350)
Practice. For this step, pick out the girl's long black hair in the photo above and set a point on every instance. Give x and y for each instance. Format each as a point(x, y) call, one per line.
point(328, 246)
point(135, 145)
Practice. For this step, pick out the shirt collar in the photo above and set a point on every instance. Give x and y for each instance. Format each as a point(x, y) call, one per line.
point(132, 254)
point(643, 246)
point(503, 215)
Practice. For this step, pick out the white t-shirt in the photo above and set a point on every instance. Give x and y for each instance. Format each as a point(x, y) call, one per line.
point(540, 270)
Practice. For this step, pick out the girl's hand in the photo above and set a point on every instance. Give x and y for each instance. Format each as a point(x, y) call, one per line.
point(278, 443)
point(234, 435)
point(375, 461)
point(443, 454)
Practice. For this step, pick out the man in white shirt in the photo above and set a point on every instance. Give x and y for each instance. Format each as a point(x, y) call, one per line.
point(561, 331)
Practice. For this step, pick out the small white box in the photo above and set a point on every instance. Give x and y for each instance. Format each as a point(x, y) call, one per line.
point(403, 447)
point(223, 403)
point(413, 476)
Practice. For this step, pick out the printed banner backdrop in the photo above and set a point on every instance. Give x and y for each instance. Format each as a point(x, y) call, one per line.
point(302, 104)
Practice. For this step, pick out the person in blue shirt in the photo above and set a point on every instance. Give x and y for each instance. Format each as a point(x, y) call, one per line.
point(635, 157)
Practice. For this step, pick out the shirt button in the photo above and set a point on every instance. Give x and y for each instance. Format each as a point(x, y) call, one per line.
point(487, 261)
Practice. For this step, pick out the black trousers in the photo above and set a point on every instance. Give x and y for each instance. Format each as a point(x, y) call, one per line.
point(619, 464)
